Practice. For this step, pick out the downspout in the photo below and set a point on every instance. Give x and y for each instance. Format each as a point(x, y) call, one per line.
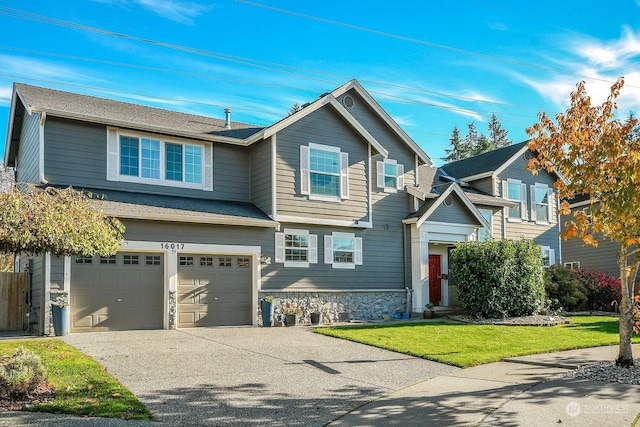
point(43, 119)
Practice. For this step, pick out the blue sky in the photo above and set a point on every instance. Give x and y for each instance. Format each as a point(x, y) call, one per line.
point(431, 65)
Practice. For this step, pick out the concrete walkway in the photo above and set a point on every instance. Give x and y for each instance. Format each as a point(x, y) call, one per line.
point(290, 376)
point(521, 391)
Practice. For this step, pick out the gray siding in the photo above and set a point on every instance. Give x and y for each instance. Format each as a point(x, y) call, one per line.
point(324, 126)
point(28, 161)
point(486, 185)
point(261, 176)
point(545, 235)
point(75, 154)
point(57, 273)
point(457, 213)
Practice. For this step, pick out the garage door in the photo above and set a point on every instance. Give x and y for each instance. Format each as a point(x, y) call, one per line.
point(214, 290)
point(117, 293)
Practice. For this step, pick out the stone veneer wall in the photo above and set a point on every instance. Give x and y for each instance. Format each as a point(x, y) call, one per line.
point(337, 306)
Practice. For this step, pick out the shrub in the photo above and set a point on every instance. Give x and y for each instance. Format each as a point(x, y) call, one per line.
point(21, 372)
point(501, 278)
point(601, 289)
point(565, 289)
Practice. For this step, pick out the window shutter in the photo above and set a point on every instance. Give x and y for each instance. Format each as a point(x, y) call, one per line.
point(552, 257)
point(532, 196)
point(357, 255)
point(552, 201)
point(313, 248)
point(112, 155)
point(328, 249)
point(400, 180)
point(207, 185)
point(380, 174)
point(505, 190)
point(279, 247)
point(344, 175)
point(304, 170)
point(523, 201)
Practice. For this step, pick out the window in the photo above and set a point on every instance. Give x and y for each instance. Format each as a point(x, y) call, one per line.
point(515, 190)
point(296, 248)
point(574, 265)
point(390, 175)
point(108, 259)
point(483, 233)
point(224, 262)
point(206, 261)
point(548, 256)
point(541, 205)
point(242, 263)
point(185, 260)
point(343, 250)
point(324, 172)
point(152, 260)
point(142, 159)
point(84, 260)
point(130, 260)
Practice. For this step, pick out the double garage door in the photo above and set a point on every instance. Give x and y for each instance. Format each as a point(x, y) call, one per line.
point(127, 291)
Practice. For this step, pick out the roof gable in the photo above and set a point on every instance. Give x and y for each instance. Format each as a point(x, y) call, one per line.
point(485, 164)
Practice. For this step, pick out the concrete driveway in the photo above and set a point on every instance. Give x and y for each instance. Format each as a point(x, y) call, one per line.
point(251, 375)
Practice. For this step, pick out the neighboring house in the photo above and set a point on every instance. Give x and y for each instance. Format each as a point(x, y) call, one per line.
point(218, 213)
point(491, 195)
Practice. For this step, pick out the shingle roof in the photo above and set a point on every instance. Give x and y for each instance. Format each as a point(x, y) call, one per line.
point(483, 163)
point(107, 111)
point(173, 208)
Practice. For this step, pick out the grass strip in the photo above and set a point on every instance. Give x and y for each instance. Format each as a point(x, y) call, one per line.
point(467, 345)
point(82, 386)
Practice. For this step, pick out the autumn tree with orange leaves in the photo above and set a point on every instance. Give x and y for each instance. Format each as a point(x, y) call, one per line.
point(597, 155)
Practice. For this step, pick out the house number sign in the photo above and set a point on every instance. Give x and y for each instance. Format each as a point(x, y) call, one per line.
point(172, 246)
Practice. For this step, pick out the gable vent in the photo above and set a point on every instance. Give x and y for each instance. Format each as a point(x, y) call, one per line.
point(348, 101)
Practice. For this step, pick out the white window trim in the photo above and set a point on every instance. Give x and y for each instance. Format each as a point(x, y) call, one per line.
point(523, 198)
point(574, 265)
point(312, 249)
point(380, 178)
point(113, 161)
point(357, 250)
point(305, 172)
point(550, 199)
point(552, 255)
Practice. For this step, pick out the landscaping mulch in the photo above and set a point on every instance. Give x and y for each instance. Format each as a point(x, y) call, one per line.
point(533, 320)
point(41, 393)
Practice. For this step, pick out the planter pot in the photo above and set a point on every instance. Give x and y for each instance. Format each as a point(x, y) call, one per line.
point(266, 309)
point(315, 318)
point(290, 319)
point(428, 314)
point(60, 320)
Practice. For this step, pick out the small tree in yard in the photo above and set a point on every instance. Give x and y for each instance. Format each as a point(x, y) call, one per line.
point(59, 221)
point(498, 279)
point(599, 156)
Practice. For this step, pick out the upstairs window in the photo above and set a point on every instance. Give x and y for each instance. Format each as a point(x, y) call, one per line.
point(390, 176)
point(541, 204)
point(146, 160)
point(548, 256)
point(324, 172)
point(296, 248)
point(515, 191)
point(343, 250)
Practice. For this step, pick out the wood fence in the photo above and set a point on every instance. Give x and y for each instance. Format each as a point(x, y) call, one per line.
point(13, 304)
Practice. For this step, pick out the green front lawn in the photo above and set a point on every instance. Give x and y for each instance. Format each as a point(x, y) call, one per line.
point(82, 386)
point(466, 345)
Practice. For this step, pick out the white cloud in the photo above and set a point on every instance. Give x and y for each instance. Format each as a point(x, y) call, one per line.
point(500, 26)
point(183, 12)
point(612, 54)
point(34, 69)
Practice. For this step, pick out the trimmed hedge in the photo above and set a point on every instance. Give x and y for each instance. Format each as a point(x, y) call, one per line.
point(497, 279)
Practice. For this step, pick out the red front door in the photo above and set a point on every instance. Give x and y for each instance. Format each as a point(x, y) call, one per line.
point(435, 281)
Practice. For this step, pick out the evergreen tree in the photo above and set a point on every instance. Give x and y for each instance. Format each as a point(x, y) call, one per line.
point(498, 136)
point(482, 145)
point(294, 108)
point(455, 153)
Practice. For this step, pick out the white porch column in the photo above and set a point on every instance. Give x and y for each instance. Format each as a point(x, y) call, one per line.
point(419, 268)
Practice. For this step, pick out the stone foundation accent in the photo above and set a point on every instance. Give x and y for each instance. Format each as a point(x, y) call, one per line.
point(173, 305)
point(336, 306)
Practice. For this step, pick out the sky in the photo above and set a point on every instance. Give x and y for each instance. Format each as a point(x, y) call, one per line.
point(431, 65)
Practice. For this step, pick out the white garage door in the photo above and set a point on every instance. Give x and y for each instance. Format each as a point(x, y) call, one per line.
point(214, 290)
point(117, 293)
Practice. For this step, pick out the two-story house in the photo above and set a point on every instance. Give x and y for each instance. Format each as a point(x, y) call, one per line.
point(219, 213)
point(491, 195)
